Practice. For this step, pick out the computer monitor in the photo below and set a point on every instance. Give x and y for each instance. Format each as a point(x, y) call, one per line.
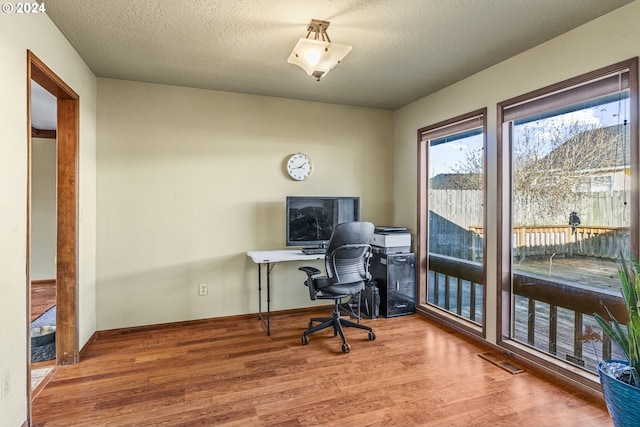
point(310, 220)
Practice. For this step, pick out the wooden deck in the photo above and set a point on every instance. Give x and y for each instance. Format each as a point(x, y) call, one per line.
point(593, 273)
point(555, 299)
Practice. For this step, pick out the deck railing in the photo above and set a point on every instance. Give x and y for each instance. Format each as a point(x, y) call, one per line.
point(593, 241)
point(550, 313)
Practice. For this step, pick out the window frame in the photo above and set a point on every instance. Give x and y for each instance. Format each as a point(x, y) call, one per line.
point(473, 119)
point(506, 111)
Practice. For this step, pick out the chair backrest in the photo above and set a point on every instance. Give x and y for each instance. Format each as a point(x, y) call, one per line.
point(346, 259)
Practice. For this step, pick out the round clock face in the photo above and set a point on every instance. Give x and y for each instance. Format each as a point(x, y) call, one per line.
point(299, 167)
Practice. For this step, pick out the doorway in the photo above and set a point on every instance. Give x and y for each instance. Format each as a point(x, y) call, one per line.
point(43, 228)
point(66, 206)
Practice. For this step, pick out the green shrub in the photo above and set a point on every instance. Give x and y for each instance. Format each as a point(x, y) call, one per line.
point(627, 338)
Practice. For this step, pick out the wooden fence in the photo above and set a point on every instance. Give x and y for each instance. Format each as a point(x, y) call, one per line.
point(454, 229)
point(464, 208)
point(595, 241)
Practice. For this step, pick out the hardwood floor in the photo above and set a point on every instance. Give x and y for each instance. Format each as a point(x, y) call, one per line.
point(43, 297)
point(228, 372)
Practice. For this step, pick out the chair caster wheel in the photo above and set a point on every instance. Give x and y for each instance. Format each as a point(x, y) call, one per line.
point(305, 340)
point(372, 336)
point(345, 348)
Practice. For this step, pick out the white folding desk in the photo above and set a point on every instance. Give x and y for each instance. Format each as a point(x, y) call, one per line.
point(270, 259)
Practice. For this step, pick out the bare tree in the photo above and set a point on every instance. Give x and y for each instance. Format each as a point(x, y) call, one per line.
point(554, 163)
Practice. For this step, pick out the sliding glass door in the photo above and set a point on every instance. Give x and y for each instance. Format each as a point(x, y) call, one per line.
point(452, 218)
point(570, 216)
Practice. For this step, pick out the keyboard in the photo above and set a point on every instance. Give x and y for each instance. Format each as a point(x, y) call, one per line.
point(314, 251)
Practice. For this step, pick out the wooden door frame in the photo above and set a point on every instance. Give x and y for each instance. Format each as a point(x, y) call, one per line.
point(68, 102)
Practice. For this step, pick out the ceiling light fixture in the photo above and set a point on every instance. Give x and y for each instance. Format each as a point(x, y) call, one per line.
point(317, 56)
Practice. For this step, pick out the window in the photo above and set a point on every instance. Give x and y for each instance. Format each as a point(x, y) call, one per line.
point(451, 222)
point(569, 156)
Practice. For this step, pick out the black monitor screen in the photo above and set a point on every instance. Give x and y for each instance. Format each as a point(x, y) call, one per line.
point(311, 220)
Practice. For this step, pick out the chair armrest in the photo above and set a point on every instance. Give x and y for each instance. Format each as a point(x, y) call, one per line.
point(311, 271)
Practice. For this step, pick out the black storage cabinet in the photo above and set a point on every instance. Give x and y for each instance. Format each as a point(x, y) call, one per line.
point(395, 275)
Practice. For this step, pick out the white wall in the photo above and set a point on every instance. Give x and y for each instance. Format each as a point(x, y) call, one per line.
point(17, 34)
point(610, 39)
point(43, 209)
point(189, 180)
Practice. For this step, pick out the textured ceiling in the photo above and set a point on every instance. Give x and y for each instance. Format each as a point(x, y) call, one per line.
point(403, 50)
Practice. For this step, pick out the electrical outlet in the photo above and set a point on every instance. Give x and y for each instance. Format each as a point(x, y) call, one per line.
point(204, 289)
point(6, 384)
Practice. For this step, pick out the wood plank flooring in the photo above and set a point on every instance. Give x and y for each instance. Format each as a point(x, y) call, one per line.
point(228, 372)
point(43, 297)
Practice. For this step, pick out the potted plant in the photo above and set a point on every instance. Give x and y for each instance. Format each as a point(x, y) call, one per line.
point(620, 379)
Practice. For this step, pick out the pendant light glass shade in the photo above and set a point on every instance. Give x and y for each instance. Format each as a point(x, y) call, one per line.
point(317, 56)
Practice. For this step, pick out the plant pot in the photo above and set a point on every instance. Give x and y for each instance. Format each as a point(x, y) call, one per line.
point(622, 399)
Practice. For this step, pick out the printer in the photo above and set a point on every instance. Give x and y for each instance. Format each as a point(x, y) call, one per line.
point(391, 240)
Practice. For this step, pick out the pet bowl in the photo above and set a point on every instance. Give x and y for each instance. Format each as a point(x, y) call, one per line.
point(42, 335)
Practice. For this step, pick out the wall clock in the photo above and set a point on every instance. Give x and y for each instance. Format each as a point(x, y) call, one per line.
point(299, 167)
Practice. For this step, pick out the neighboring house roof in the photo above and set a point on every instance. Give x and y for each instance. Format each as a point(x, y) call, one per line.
point(592, 151)
point(456, 181)
point(595, 149)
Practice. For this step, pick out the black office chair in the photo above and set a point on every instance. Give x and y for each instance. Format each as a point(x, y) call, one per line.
point(347, 267)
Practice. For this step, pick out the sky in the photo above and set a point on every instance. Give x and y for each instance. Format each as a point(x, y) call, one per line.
point(444, 157)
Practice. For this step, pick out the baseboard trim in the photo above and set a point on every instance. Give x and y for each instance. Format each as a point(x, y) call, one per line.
point(172, 325)
point(85, 347)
